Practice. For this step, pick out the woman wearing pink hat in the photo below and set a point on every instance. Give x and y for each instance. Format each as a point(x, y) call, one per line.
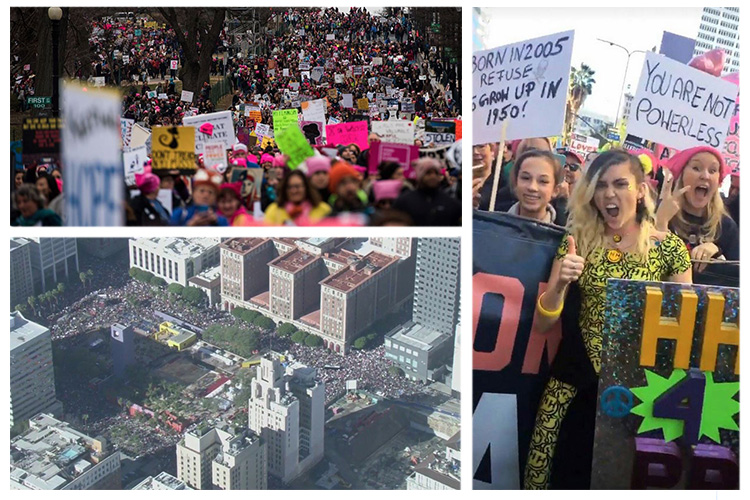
point(147, 209)
point(230, 204)
point(692, 207)
point(318, 168)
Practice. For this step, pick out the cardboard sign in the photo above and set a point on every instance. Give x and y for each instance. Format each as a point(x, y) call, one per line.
point(524, 84)
point(395, 131)
point(223, 129)
point(92, 155)
point(294, 144)
point(126, 131)
point(41, 138)
point(363, 104)
point(673, 399)
point(173, 148)
point(214, 154)
point(284, 118)
point(313, 132)
point(348, 133)
point(186, 96)
point(173, 64)
point(680, 106)
point(402, 154)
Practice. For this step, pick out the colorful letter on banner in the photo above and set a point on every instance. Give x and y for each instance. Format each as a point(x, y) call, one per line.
point(679, 106)
point(512, 262)
point(283, 118)
point(92, 154)
point(348, 133)
point(294, 144)
point(223, 129)
point(732, 143)
point(402, 154)
point(173, 148)
point(686, 409)
point(524, 84)
point(395, 131)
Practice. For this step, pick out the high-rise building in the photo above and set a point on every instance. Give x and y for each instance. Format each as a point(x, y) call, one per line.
point(287, 409)
point(52, 260)
point(101, 248)
point(163, 481)
point(175, 260)
point(21, 278)
point(52, 455)
point(294, 283)
point(403, 247)
point(456, 370)
point(720, 29)
point(244, 269)
point(122, 345)
point(221, 458)
point(32, 376)
point(627, 104)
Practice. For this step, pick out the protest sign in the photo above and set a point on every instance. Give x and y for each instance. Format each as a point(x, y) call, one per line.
point(252, 111)
point(313, 131)
point(186, 96)
point(163, 96)
point(133, 160)
point(98, 81)
point(402, 154)
point(583, 145)
point(459, 129)
point(330, 37)
point(363, 104)
point(126, 59)
point(314, 111)
point(407, 107)
point(284, 118)
point(294, 144)
point(304, 66)
point(667, 412)
point(357, 70)
point(338, 78)
point(126, 131)
point(439, 132)
point(252, 180)
point(140, 136)
point(512, 261)
point(333, 121)
point(173, 64)
point(732, 142)
point(173, 148)
point(262, 130)
point(388, 82)
point(285, 72)
point(91, 141)
point(377, 61)
point(347, 101)
point(41, 139)
point(348, 133)
point(524, 84)
point(267, 141)
point(223, 129)
point(151, 94)
point(214, 154)
point(333, 94)
point(395, 131)
point(316, 74)
point(680, 106)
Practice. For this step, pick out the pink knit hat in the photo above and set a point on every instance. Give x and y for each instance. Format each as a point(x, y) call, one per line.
point(147, 183)
point(318, 164)
point(387, 190)
point(677, 163)
point(266, 158)
point(278, 161)
point(207, 128)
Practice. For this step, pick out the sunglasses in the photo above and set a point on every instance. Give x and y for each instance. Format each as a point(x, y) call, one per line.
point(573, 167)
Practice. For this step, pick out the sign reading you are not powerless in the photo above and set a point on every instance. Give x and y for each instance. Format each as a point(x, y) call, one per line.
point(524, 84)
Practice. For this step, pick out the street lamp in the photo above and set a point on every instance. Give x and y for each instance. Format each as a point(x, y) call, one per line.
point(624, 77)
point(55, 14)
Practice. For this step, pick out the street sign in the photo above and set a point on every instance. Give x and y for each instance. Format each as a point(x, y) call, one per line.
point(40, 102)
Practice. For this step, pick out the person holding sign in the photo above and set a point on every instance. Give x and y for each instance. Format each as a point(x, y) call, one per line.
point(693, 209)
point(611, 234)
point(297, 202)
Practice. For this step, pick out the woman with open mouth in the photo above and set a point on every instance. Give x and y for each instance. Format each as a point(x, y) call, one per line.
point(693, 209)
point(535, 179)
point(611, 234)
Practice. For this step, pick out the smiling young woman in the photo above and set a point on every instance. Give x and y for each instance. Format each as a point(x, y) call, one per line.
point(611, 234)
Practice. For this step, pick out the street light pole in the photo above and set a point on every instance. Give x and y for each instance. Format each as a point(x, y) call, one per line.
point(625, 76)
point(55, 14)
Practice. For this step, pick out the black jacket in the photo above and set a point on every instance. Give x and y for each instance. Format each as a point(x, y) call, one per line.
point(145, 214)
point(429, 207)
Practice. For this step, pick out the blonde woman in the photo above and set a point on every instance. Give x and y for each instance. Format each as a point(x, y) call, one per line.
point(611, 234)
point(693, 208)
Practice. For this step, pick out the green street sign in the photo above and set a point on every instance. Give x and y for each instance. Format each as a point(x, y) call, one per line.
point(38, 102)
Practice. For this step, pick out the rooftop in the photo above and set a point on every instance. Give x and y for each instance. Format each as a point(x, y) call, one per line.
point(441, 470)
point(182, 336)
point(178, 248)
point(293, 261)
point(163, 481)
point(18, 242)
point(418, 336)
point(23, 330)
point(359, 270)
point(209, 277)
point(243, 245)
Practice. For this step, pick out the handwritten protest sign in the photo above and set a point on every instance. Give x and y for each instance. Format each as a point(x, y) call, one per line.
point(680, 106)
point(252, 111)
point(292, 142)
point(395, 131)
point(583, 145)
point(223, 129)
point(214, 154)
point(283, 118)
point(133, 160)
point(402, 154)
point(524, 84)
point(126, 130)
point(262, 130)
point(348, 133)
point(91, 140)
point(173, 148)
point(186, 96)
point(313, 132)
point(439, 132)
point(317, 73)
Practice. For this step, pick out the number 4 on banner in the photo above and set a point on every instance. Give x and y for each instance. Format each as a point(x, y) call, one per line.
point(684, 402)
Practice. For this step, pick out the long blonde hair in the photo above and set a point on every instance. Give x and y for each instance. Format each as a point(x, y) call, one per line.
point(585, 222)
point(709, 230)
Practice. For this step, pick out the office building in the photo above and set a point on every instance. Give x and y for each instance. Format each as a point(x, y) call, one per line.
point(286, 408)
point(175, 260)
point(52, 455)
point(102, 248)
point(53, 260)
point(163, 481)
point(221, 458)
point(456, 369)
point(32, 376)
point(122, 345)
point(440, 470)
point(244, 269)
point(21, 277)
point(720, 29)
point(209, 281)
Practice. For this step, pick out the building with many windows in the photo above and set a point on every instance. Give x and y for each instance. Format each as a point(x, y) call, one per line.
point(21, 278)
point(175, 260)
point(439, 470)
point(53, 260)
point(287, 409)
point(32, 376)
point(52, 455)
point(720, 29)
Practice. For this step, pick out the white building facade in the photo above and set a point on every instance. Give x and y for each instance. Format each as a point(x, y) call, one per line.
point(175, 260)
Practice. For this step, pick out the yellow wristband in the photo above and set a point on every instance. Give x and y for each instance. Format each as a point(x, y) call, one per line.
point(545, 312)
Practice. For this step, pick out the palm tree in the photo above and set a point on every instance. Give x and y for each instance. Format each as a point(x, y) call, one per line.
point(581, 86)
point(32, 302)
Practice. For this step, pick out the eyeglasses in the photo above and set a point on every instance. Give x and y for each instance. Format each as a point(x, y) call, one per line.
point(573, 167)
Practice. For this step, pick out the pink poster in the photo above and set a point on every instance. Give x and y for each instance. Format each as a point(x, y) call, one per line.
point(348, 133)
point(402, 154)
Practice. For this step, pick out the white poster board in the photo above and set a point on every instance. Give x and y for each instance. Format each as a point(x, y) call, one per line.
point(223, 129)
point(524, 84)
point(314, 111)
point(186, 96)
point(395, 131)
point(214, 153)
point(679, 106)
